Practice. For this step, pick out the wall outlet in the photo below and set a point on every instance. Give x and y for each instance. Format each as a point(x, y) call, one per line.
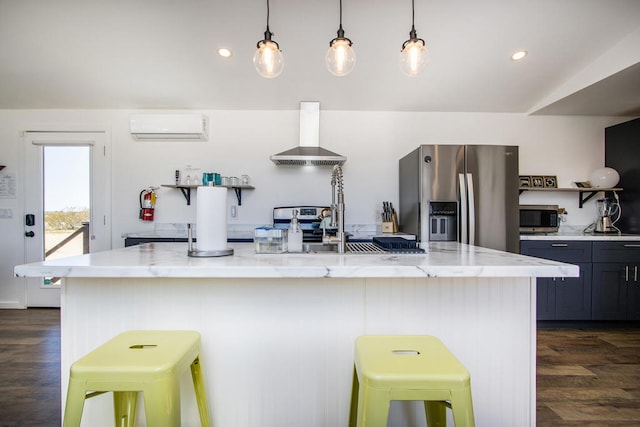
point(234, 211)
point(6, 213)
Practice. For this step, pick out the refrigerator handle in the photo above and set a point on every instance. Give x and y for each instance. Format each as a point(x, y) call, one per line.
point(463, 209)
point(472, 210)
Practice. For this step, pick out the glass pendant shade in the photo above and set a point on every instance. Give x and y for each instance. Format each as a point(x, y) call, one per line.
point(341, 58)
point(268, 59)
point(605, 178)
point(414, 57)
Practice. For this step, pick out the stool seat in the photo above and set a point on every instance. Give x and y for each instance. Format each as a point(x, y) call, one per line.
point(408, 367)
point(150, 362)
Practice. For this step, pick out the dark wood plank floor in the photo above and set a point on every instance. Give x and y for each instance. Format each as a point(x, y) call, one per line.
point(588, 377)
point(585, 377)
point(30, 367)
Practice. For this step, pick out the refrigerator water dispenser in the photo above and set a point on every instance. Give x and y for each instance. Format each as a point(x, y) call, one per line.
point(443, 221)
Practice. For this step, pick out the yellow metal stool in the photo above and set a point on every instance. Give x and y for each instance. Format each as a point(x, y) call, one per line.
point(408, 368)
point(150, 362)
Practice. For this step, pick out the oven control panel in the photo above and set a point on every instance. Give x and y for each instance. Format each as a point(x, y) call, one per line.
point(305, 213)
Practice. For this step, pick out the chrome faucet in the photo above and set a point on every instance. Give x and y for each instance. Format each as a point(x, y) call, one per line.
point(337, 212)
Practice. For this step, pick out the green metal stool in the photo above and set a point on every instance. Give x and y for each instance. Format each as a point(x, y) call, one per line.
point(408, 368)
point(150, 362)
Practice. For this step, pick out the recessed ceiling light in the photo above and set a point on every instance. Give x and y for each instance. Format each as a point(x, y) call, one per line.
point(224, 52)
point(519, 55)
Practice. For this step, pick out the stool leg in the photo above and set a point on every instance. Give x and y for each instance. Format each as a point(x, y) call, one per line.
point(74, 404)
point(462, 407)
point(201, 393)
point(436, 413)
point(124, 407)
point(162, 403)
point(373, 407)
point(353, 411)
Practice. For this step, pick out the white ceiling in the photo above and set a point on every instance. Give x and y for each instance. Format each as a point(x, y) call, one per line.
point(584, 55)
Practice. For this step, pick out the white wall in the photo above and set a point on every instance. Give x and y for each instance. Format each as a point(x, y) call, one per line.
point(241, 142)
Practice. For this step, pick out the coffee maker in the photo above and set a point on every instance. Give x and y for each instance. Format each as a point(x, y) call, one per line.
point(608, 215)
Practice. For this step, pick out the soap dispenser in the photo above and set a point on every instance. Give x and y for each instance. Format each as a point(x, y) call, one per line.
point(294, 236)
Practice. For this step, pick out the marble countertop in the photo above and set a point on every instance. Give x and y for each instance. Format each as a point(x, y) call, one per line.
point(446, 259)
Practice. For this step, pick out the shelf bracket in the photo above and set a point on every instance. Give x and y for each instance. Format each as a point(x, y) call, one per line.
point(186, 192)
point(583, 200)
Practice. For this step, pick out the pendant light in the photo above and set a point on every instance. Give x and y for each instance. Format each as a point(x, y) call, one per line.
point(268, 58)
point(340, 57)
point(414, 56)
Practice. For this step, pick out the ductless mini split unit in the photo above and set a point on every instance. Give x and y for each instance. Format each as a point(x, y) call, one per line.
point(177, 127)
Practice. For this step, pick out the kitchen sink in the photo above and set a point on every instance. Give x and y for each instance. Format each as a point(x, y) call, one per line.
point(352, 247)
point(318, 247)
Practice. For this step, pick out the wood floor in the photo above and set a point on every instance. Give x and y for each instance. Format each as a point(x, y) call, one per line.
point(585, 377)
point(588, 377)
point(30, 367)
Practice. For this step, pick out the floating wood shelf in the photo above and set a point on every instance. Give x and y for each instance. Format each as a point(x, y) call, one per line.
point(186, 190)
point(585, 194)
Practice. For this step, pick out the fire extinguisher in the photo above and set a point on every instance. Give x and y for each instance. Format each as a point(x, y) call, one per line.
point(147, 203)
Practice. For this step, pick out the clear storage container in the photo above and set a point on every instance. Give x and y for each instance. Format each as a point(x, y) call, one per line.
point(269, 240)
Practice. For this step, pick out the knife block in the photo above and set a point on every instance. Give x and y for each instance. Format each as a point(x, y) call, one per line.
point(387, 227)
point(390, 226)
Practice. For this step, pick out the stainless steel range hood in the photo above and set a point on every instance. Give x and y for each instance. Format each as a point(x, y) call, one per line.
point(309, 152)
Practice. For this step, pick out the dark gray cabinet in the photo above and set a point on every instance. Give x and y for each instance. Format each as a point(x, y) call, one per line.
point(622, 152)
point(608, 287)
point(561, 298)
point(131, 241)
point(616, 280)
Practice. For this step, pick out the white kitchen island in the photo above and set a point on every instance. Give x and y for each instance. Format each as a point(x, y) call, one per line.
point(278, 330)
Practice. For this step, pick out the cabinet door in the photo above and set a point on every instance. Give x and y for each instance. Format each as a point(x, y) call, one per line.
point(558, 298)
point(573, 295)
point(610, 290)
point(545, 298)
point(633, 292)
point(616, 285)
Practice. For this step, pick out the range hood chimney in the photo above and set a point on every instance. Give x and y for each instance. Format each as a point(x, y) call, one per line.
point(308, 152)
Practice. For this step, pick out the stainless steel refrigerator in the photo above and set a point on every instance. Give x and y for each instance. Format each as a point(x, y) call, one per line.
point(465, 193)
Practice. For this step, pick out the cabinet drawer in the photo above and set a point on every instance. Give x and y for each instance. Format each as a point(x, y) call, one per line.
point(557, 250)
point(617, 251)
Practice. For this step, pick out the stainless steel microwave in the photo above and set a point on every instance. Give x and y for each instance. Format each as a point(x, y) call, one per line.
point(538, 218)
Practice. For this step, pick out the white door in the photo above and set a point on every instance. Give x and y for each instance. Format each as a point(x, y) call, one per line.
point(66, 203)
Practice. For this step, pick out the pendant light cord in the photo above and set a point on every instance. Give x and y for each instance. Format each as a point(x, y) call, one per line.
point(412, 34)
point(340, 30)
point(267, 33)
point(413, 13)
point(268, 15)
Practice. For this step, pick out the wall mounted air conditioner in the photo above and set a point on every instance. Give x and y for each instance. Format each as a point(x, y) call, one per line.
point(192, 127)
